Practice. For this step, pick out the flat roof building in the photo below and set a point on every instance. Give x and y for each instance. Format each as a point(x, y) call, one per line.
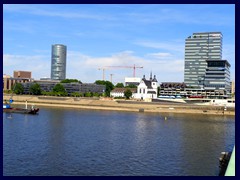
point(22, 74)
point(198, 48)
point(217, 75)
point(132, 80)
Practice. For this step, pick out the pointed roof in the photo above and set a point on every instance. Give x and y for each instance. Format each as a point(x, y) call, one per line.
point(148, 83)
point(154, 79)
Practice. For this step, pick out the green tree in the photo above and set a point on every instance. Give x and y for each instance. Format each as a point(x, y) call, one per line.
point(119, 85)
point(131, 86)
point(70, 81)
point(96, 95)
point(18, 88)
point(88, 94)
point(108, 84)
point(127, 93)
point(76, 94)
point(59, 90)
point(35, 89)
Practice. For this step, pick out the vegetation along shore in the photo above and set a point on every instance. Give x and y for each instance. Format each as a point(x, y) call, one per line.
point(116, 105)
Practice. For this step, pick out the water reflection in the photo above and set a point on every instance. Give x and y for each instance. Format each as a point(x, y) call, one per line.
point(78, 142)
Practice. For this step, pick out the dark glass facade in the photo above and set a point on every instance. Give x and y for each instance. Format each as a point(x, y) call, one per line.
point(198, 48)
point(217, 75)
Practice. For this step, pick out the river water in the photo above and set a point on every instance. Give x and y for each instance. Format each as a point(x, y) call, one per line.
point(74, 142)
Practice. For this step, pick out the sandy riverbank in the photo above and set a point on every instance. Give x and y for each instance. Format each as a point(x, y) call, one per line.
point(103, 104)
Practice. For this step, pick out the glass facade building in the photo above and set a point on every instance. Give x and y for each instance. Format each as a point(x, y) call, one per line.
point(217, 75)
point(198, 48)
point(58, 63)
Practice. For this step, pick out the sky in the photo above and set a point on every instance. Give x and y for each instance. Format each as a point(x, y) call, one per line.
point(151, 36)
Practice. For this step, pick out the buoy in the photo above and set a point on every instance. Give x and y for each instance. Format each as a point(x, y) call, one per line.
point(165, 118)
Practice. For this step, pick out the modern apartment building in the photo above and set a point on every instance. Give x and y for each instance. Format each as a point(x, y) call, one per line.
point(200, 47)
point(217, 75)
point(58, 63)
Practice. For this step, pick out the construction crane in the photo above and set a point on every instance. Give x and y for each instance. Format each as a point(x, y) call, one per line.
point(134, 68)
point(111, 77)
point(103, 73)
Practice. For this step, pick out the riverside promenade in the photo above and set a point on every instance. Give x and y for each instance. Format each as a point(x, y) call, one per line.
point(117, 105)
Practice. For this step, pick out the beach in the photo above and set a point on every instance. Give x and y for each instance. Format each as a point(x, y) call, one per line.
point(115, 105)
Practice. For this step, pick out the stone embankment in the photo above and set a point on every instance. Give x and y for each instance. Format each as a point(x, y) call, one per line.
point(108, 104)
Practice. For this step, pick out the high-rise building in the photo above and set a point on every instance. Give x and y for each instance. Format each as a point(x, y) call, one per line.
point(58, 64)
point(198, 48)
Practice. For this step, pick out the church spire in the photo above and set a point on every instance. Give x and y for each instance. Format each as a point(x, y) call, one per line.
point(154, 78)
point(151, 76)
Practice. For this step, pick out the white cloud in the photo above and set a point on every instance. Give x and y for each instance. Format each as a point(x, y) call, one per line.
point(159, 55)
point(86, 68)
point(26, 27)
point(43, 10)
point(182, 15)
point(229, 54)
point(169, 46)
point(36, 64)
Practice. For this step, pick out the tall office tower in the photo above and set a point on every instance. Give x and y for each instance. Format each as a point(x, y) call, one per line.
point(58, 64)
point(198, 48)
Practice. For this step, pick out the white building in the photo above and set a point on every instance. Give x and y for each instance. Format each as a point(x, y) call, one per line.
point(132, 80)
point(147, 89)
point(119, 92)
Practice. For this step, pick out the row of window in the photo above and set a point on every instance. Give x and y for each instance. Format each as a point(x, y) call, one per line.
point(142, 91)
point(203, 51)
point(222, 74)
point(215, 85)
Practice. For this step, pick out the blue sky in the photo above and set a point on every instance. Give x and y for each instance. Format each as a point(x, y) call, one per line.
point(149, 35)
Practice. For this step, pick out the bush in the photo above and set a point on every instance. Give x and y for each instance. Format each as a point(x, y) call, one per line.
point(18, 88)
point(76, 94)
point(127, 93)
point(35, 89)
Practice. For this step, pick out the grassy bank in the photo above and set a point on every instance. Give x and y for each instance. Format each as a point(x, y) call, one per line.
point(107, 104)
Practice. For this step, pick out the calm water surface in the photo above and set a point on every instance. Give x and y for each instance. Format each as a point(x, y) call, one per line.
point(83, 142)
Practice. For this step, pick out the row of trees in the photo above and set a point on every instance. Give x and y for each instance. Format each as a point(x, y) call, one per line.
point(121, 85)
point(59, 89)
point(110, 87)
point(70, 81)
